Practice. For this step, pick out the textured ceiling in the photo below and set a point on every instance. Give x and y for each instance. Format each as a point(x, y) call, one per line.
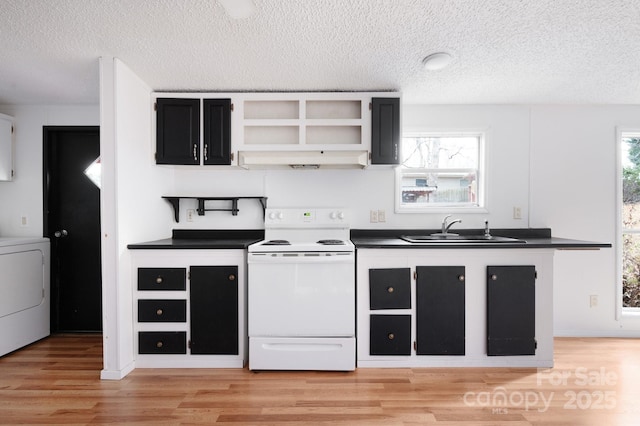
point(505, 51)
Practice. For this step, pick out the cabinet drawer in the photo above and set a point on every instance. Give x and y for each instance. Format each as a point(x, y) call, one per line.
point(162, 278)
point(390, 288)
point(162, 342)
point(390, 335)
point(162, 310)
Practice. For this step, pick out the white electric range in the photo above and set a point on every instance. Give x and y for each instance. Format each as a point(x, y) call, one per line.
point(301, 292)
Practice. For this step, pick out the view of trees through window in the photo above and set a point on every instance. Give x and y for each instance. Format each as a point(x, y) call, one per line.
point(631, 222)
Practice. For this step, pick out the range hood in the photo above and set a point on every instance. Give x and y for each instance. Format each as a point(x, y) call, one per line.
point(303, 159)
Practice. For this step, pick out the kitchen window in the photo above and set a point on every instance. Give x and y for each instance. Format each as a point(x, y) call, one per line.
point(441, 170)
point(629, 209)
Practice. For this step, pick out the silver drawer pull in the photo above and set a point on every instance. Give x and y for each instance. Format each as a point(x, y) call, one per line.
point(494, 277)
point(159, 344)
point(390, 289)
point(159, 280)
point(460, 277)
point(159, 312)
point(391, 336)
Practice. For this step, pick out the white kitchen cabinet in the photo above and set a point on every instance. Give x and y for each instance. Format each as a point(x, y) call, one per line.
point(189, 308)
point(398, 318)
point(6, 147)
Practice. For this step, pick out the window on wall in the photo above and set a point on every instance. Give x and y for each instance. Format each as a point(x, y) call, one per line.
point(440, 170)
point(630, 164)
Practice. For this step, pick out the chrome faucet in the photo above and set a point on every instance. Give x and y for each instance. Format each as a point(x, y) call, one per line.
point(446, 226)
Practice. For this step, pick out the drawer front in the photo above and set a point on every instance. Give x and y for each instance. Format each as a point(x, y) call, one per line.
point(162, 278)
point(390, 288)
point(162, 342)
point(162, 310)
point(390, 335)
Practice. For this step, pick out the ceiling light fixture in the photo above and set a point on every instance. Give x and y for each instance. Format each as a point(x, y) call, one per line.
point(437, 61)
point(238, 9)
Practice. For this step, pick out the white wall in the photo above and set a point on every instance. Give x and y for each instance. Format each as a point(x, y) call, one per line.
point(23, 196)
point(573, 191)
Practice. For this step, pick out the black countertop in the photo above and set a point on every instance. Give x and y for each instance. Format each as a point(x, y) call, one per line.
point(533, 237)
point(204, 239)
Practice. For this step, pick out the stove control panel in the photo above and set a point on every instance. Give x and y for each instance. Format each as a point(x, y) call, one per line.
point(306, 218)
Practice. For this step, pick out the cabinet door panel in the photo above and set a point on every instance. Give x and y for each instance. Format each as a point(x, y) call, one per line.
point(178, 131)
point(385, 131)
point(217, 131)
point(162, 279)
point(390, 335)
point(214, 310)
point(162, 310)
point(511, 310)
point(440, 310)
point(390, 288)
point(162, 342)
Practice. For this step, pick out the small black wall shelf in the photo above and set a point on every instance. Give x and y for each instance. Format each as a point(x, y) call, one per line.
point(175, 202)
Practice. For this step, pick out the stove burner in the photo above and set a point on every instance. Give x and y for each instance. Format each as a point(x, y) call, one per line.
point(276, 243)
point(331, 242)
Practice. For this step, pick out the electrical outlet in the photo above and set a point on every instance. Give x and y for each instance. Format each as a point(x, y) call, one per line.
point(593, 300)
point(373, 216)
point(190, 213)
point(382, 216)
point(517, 213)
point(24, 221)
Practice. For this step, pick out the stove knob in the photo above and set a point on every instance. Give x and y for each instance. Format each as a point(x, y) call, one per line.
point(340, 215)
point(333, 215)
point(272, 215)
point(280, 215)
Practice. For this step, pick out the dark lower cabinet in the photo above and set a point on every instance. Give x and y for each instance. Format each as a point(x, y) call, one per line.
point(156, 279)
point(440, 310)
point(162, 342)
point(177, 131)
point(390, 288)
point(162, 310)
point(385, 131)
point(214, 310)
point(390, 335)
point(511, 307)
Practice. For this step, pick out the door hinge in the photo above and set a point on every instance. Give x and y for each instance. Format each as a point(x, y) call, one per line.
point(535, 275)
point(415, 346)
point(189, 344)
point(43, 293)
point(12, 129)
point(231, 156)
point(370, 106)
point(189, 274)
point(415, 275)
point(231, 107)
point(155, 106)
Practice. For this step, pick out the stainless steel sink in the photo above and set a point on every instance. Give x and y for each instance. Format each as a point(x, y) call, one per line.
point(460, 239)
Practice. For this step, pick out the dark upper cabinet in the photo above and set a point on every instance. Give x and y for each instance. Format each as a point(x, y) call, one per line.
point(440, 310)
point(511, 294)
point(217, 131)
point(177, 131)
point(385, 131)
point(214, 310)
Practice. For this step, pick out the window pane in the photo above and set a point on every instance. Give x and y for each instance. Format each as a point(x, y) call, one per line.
point(631, 271)
point(631, 183)
point(450, 152)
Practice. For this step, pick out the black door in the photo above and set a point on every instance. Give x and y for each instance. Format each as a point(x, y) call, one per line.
point(217, 131)
point(72, 222)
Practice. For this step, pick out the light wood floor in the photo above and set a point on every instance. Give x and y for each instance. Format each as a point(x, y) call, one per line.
point(56, 381)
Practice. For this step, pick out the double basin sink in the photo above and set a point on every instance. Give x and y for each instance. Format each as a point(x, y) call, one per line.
point(451, 238)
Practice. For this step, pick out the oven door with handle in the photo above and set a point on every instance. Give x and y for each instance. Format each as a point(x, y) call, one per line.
point(301, 294)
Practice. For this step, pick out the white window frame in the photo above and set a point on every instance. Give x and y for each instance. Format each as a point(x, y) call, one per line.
point(620, 229)
point(481, 206)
